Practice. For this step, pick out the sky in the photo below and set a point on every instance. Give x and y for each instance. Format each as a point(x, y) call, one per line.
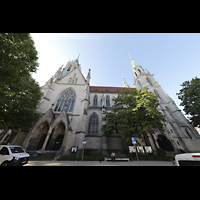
point(172, 57)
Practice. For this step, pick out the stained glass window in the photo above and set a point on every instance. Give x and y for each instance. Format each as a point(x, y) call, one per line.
point(140, 85)
point(95, 101)
point(149, 81)
point(93, 124)
point(156, 92)
point(66, 101)
point(107, 101)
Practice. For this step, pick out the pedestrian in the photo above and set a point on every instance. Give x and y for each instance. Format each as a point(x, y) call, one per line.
point(113, 156)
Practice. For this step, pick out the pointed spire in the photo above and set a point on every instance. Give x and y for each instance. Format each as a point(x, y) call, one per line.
point(133, 63)
point(78, 56)
point(125, 83)
point(77, 60)
point(88, 76)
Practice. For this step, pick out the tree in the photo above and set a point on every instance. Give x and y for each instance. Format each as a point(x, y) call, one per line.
point(18, 56)
point(190, 97)
point(19, 92)
point(134, 113)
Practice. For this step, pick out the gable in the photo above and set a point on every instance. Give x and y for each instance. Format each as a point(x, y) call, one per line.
point(73, 77)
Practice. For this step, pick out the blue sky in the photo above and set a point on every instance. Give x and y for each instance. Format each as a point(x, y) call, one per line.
point(172, 57)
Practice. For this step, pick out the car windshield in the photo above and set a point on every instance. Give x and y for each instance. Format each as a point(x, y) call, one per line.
point(16, 150)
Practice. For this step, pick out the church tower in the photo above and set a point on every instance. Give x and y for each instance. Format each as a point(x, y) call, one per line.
point(125, 83)
point(64, 105)
point(179, 136)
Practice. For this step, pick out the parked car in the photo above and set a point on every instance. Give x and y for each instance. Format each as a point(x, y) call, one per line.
point(186, 159)
point(11, 155)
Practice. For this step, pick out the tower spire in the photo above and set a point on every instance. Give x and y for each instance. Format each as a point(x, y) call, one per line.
point(77, 60)
point(133, 63)
point(78, 56)
point(125, 83)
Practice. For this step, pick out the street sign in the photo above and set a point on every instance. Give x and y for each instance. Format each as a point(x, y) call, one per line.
point(132, 149)
point(74, 149)
point(133, 140)
point(84, 140)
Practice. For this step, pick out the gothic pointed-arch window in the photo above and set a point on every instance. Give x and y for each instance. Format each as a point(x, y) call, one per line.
point(188, 133)
point(140, 85)
point(66, 101)
point(170, 112)
point(107, 101)
point(95, 101)
point(149, 81)
point(156, 92)
point(139, 71)
point(93, 124)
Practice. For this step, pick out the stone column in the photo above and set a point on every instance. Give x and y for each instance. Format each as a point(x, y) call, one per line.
point(47, 138)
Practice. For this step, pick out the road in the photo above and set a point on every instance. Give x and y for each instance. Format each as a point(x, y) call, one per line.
point(98, 163)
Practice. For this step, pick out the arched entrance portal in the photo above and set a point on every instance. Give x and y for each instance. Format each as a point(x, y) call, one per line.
point(39, 137)
point(164, 143)
point(58, 142)
point(41, 142)
point(55, 140)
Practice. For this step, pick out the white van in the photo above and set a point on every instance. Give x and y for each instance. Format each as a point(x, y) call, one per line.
point(187, 159)
point(11, 155)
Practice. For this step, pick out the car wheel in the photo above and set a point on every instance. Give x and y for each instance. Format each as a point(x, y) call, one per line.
point(4, 164)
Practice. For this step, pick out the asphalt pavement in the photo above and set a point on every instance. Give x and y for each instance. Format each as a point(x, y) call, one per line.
point(98, 163)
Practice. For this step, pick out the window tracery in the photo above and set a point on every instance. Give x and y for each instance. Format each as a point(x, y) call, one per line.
point(66, 101)
point(107, 101)
point(140, 85)
point(95, 101)
point(156, 92)
point(149, 81)
point(93, 124)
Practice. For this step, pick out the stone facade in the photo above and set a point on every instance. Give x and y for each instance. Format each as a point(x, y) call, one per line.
point(72, 109)
point(180, 135)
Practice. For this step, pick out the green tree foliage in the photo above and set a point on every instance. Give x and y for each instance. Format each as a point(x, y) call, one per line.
point(19, 92)
point(190, 97)
point(135, 113)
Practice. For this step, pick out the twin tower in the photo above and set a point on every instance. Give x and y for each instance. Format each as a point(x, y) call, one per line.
point(180, 136)
point(72, 109)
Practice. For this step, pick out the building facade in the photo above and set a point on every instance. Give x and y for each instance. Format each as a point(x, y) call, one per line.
point(180, 135)
point(72, 109)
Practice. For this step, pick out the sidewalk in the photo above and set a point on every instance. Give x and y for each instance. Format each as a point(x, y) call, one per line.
point(98, 163)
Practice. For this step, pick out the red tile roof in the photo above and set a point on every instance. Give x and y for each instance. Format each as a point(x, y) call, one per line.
point(106, 89)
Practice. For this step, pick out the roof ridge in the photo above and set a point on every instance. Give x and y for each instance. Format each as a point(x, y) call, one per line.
point(106, 89)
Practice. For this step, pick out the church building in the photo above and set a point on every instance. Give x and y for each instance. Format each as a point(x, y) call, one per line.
point(72, 109)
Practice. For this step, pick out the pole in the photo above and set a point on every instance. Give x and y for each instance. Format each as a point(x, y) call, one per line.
point(82, 152)
point(136, 152)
